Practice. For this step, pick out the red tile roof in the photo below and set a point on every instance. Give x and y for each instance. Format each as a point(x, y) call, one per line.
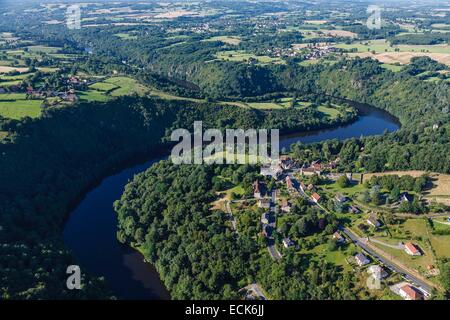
point(316, 197)
point(410, 292)
point(412, 248)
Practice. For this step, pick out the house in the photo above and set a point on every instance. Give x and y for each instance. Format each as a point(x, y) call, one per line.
point(338, 237)
point(317, 166)
point(377, 272)
point(311, 187)
point(309, 171)
point(273, 171)
point(289, 184)
point(354, 209)
point(373, 221)
point(256, 190)
point(286, 162)
point(361, 259)
point(287, 243)
point(412, 250)
point(405, 197)
point(265, 218)
point(340, 198)
point(70, 97)
point(264, 203)
point(285, 206)
point(315, 197)
point(74, 80)
point(408, 292)
point(303, 187)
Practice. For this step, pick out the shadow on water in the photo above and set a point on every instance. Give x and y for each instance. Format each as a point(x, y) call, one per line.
point(90, 232)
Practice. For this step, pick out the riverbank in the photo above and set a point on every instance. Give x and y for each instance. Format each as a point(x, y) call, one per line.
point(95, 218)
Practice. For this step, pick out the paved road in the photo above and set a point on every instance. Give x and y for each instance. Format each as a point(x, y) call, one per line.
point(393, 246)
point(257, 290)
point(274, 253)
point(408, 276)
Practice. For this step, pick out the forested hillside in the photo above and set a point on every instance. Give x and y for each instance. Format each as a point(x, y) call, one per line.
point(197, 256)
point(47, 163)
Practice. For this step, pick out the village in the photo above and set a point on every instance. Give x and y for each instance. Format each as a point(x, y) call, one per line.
point(294, 181)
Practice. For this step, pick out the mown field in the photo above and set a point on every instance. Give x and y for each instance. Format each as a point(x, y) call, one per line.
point(20, 108)
point(112, 87)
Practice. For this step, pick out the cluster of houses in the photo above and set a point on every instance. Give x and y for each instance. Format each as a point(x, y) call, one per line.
point(276, 169)
point(317, 51)
point(68, 95)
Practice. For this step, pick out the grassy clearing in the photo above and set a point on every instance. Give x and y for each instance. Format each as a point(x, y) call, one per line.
point(241, 56)
point(12, 96)
point(392, 67)
point(43, 49)
point(20, 108)
point(349, 191)
point(126, 36)
point(92, 95)
point(226, 39)
point(126, 86)
point(332, 113)
point(103, 86)
point(3, 135)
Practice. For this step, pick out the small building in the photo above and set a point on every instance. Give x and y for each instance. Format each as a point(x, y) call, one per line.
point(377, 272)
point(257, 189)
point(309, 171)
point(311, 187)
point(338, 237)
point(303, 187)
point(412, 250)
point(285, 206)
point(373, 220)
point(264, 203)
point(286, 162)
point(315, 197)
point(273, 171)
point(406, 197)
point(408, 292)
point(340, 198)
point(287, 243)
point(265, 218)
point(354, 209)
point(361, 259)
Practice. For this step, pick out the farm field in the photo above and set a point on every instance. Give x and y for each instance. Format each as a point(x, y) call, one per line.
point(382, 45)
point(7, 69)
point(226, 39)
point(19, 109)
point(112, 87)
point(382, 51)
point(126, 86)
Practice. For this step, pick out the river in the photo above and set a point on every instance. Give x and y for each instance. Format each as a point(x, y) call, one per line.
point(90, 232)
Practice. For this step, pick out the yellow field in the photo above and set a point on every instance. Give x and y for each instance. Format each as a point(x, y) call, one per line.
point(441, 183)
point(4, 69)
point(403, 57)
